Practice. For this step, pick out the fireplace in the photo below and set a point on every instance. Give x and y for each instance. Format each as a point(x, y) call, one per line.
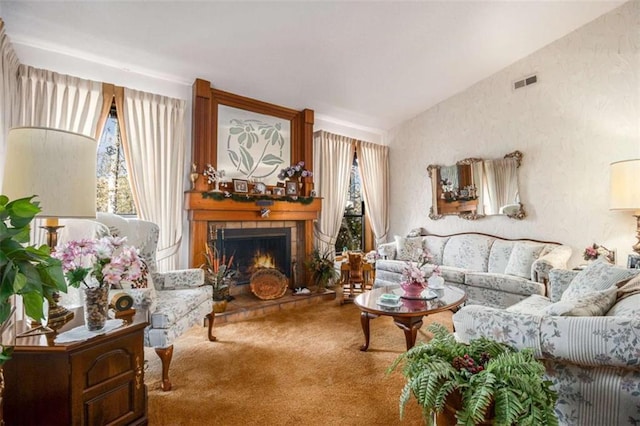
point(255, 248)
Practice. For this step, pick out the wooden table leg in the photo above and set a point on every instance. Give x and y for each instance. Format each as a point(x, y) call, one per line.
point(365, 317)
point(210, 318)
point(410, 326)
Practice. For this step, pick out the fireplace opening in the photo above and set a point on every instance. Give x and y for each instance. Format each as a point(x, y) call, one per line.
point(256, 248)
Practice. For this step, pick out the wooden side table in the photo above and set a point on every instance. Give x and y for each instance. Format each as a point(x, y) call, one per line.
point(93, 382)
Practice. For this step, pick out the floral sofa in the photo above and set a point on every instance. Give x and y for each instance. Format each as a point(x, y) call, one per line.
point(493, 271)
point(587, 332)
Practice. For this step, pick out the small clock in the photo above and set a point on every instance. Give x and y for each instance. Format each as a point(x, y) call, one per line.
point(260, 188)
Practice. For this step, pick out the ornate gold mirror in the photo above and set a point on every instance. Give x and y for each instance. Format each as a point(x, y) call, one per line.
point(474, 188)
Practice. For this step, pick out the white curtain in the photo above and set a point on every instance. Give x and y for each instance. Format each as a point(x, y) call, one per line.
point(57, 101)
point(501, 180)
point(9, 94)
point(154, 145)
point(333, 156)
point(373, 161)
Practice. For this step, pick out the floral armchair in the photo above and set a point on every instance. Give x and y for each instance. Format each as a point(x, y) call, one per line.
point(173, 302)
point(587, 333)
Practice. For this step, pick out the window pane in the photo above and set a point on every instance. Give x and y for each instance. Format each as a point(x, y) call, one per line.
point(351, 234)
point(113, 192)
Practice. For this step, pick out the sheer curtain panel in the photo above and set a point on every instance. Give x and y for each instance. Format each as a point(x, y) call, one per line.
point(373, 160)
point(333, 155)
point(154, 147)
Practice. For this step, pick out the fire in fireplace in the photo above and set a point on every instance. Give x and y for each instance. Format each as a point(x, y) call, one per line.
point(256, 248)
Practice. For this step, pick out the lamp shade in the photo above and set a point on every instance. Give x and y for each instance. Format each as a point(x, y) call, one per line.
point(625, 185)
point(57, 166)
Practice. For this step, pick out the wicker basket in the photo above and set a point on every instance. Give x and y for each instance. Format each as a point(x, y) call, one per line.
point(269, 284)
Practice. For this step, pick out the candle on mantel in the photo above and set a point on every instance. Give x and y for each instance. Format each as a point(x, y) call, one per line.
point(51, 221)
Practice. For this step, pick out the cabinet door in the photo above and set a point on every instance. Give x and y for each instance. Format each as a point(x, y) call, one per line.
point(108, 382)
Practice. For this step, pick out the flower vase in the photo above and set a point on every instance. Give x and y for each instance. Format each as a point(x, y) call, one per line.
point(412, 290)
point(95, 307)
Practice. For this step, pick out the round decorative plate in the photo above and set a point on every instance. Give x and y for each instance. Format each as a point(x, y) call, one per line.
point(268, 283)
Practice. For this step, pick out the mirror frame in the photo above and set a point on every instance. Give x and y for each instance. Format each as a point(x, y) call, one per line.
point(434, 171)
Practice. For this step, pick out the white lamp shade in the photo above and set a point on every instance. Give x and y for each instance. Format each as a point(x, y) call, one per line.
point(57, 166)
point(625, 185)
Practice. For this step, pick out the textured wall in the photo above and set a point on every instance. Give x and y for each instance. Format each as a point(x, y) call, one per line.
point(583, 114)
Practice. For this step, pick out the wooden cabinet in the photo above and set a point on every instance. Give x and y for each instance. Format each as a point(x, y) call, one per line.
point(95, 382)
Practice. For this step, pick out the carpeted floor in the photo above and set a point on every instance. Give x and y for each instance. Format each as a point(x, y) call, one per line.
point(296, 367)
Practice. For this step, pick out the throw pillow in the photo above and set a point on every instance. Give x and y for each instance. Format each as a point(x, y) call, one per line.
point(521, 258)
point(599, 275)
point(593, 304)
point(144, 281)
point(629, 287)
point(408, 248)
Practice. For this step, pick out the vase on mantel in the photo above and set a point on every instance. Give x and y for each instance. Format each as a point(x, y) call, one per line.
point(95, 307)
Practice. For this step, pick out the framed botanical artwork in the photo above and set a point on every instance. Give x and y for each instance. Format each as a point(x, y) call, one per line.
point(633, 261)
point(278, 191)
point(240, 185)
point(291, 188)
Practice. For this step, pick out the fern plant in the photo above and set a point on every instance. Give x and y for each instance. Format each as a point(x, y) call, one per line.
point(490, 378)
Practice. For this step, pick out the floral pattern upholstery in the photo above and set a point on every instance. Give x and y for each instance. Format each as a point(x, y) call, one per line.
point(521, 259)
point(593, 361)
point(599, 275)
point(408, 248)
point(465, 259)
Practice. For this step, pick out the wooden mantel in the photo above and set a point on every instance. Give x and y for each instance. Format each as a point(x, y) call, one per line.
point(203, 210)
point(204, 151)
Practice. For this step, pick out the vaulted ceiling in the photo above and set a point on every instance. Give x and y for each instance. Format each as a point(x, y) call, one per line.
point(370, 64)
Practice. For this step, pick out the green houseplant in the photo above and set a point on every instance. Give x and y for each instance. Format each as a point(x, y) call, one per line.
point(25, 270)
point(485, 381)
point(322, 269)
point(218, 273)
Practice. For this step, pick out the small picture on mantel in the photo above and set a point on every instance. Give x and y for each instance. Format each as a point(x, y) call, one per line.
point(278, 191)
point(292, 188)
point(240, 185)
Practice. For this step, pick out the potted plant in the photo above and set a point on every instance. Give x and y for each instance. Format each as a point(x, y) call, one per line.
point(218, 273)
point(322, 269)
point(25, 270)
point(479, 383)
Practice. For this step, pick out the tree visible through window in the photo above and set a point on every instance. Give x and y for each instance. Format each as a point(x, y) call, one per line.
point(113, 192)
point(351, 234)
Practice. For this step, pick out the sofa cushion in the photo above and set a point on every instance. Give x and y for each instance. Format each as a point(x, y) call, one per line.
point(593, 304)
point(435, 245)
point(408, 248)
point(627, 307)
point(522, 257)
point(499, 256)
point(470, 251)
point(532, 305)
point(599, 275)
point(502, 282)
point(450, 273)
point(628, 288)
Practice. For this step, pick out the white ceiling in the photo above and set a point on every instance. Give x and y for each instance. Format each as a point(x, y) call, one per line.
point(371, 64)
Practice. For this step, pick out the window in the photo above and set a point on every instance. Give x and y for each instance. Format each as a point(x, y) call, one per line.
point(351, 234)
point(113, 192)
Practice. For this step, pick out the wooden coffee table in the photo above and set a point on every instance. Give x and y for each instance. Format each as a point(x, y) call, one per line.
point(409, 312)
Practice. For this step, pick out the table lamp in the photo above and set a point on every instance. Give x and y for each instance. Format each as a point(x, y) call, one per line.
point(60, 168)
point(625, 191)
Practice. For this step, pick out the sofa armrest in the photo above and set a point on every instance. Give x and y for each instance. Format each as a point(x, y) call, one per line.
point(387, 250)
point(559, 280)
point(592, 341)
point(555, 259)
point(183, 278)
point(513, 328)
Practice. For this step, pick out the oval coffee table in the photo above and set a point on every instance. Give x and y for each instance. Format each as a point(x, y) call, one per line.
point(408, 314)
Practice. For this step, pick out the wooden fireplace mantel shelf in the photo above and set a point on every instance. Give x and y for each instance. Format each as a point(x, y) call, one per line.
point(203, 210)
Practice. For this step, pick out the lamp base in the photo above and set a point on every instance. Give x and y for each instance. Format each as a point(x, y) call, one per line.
point(58, 315)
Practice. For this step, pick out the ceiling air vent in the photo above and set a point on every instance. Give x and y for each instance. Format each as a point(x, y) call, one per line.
point(525, 82)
